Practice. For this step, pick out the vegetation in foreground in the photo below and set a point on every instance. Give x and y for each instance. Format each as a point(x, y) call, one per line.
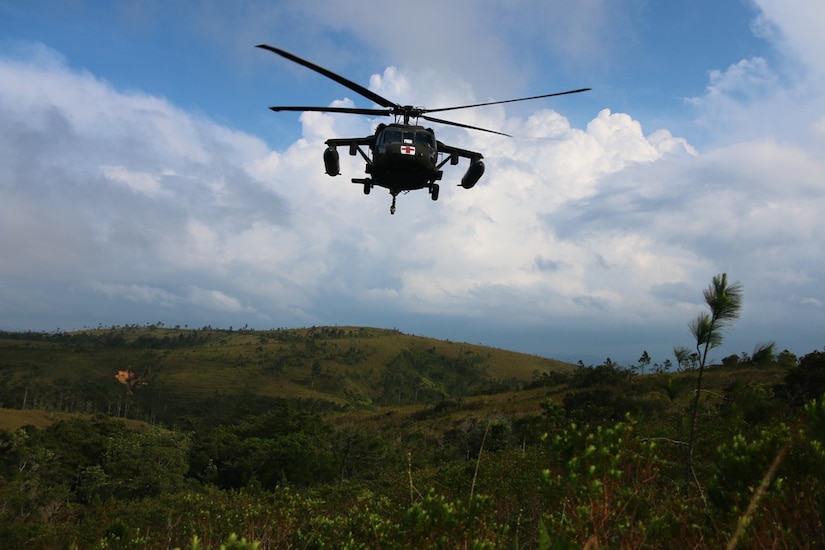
point(430, 451)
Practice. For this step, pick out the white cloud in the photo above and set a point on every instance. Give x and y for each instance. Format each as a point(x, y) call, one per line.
point(746, 79)
point(164, 208)
point(797, 26)
point(138, 293)
point(754, 97)
point(147, 184)
point(810, 301)
point(215, 300)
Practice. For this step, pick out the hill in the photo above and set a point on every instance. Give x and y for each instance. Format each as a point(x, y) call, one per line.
point(159, 374)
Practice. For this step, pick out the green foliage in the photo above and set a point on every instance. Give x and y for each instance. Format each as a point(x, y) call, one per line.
point(416, 376)
point(359, 452)
point(587, 459)
point(140, 465)
point(603, 397)
point(601, 487)
point(276, 518)
point(740, 465)
point(209, 374)
point(764, 353)
point(288, 445)
point(788, 462)
point(683, 357)
point(438, 522)
point(804, 382)
point(730, 360)
point(748, 405)
point(232, 543)
point(786, 359)
point(724, 301)
point(471, 435)
point(607, 374)
point(815, 416)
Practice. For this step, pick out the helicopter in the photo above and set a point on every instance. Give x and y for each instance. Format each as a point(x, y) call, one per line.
point(403, 156)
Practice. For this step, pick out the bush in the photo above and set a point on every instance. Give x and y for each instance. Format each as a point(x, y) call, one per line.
point(804, 382)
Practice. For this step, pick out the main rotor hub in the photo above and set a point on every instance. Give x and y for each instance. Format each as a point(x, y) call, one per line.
point(407, 112)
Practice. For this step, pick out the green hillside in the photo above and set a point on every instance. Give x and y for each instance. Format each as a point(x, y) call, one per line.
point(352, 437)
point(179, 371)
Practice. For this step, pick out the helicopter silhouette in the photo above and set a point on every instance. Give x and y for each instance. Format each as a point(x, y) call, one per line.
point(403, 156)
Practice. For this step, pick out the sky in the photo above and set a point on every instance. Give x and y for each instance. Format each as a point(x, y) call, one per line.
point(144, 180)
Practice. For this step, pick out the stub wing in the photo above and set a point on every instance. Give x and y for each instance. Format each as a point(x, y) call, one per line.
point(458, 152)
point(350, 142)
point(331, 159)
point(453, 154)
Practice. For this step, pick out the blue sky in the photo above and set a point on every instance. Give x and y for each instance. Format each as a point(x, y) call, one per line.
point(144, 180)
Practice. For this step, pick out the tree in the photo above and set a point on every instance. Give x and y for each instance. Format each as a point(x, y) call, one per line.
point(644, 361)
point(724, 300)
point(786, 359)
point(805, 381)
point(682, 355)
point(731, 360)
point(139, 465)
point(764, 353)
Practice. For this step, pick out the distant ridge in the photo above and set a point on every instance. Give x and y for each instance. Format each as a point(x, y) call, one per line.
point(166, 372)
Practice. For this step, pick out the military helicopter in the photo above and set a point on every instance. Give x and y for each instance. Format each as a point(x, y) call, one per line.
point(403, 156)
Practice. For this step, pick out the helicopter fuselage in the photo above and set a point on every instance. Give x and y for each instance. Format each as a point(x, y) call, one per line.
point(403, 157)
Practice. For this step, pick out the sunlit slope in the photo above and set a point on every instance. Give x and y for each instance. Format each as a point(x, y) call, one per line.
point(340, 364)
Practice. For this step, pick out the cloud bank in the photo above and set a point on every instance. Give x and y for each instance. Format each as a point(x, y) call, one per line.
point(120, 207)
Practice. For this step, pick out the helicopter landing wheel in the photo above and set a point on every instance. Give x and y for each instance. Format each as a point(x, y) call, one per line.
point(434, 188)
point(367, 188)
point(392, 206)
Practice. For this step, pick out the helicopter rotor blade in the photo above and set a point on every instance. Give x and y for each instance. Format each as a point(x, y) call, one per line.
point(505, 101)
point(461, 125)
point(350, 110)
point(357, 88)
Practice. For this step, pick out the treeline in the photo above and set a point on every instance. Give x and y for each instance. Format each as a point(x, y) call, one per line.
point(143, 337)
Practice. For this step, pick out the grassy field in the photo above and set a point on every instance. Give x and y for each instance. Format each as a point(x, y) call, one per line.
point(11, 419)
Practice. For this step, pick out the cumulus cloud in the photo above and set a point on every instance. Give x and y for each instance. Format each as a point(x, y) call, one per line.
point(125, 198)
point(780, 98)
point(796, 26)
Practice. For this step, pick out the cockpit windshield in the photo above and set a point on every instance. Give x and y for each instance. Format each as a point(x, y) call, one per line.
point(391, 135)
point(411, 137)
point(424, 138)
